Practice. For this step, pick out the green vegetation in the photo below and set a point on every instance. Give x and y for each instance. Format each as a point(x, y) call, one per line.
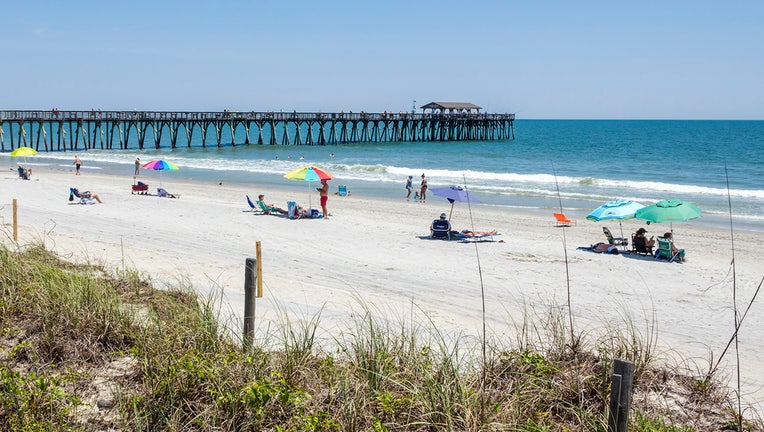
point(81, 349)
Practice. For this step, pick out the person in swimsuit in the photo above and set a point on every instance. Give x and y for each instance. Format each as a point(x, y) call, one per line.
point(77, 164)
point(423, 189)
point(409, 186)
point(324, 193)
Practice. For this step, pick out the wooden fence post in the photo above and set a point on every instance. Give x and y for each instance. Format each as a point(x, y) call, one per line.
point(620, 396)
point(253, 288)
point(249, 300)
point(15, 221)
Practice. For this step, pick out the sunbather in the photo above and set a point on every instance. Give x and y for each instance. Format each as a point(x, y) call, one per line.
point(268, 208)
point(86, 195)
point(605, 248)
point(468, 233)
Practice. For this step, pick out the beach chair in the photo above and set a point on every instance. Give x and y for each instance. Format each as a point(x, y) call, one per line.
point(666, 250)
point(342, 190)
point(140, 188)
point(618, 241)
point(441, 228)
point(639, 245)
point(162, 192)
point(83, 199)
point(266, 209)
point(293, 210)
point(562, 220)
point(252, 207)
point(24, 173)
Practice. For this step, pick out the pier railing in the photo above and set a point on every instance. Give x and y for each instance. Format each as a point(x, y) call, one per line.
point(57, 130)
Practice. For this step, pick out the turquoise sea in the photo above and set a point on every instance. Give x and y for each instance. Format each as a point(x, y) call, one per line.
point(589, 161)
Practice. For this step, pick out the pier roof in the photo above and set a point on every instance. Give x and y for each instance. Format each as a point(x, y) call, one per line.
point(448, 106)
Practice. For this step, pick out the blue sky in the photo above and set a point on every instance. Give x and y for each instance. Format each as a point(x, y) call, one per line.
point(539, 59)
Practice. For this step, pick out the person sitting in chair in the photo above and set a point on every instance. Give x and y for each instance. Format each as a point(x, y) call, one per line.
point(649, 243)
point(441, 227)
point(268, 208)
point(674, 251)
point(640, 239)
point(86, 195)
point(24, 173)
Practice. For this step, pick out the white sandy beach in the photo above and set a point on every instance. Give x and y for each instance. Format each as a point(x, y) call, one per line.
point(371, 249)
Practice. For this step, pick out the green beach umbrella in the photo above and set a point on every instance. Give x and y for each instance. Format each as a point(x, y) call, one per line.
point(670, 210)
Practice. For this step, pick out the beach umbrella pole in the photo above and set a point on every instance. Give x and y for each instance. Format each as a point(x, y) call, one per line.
point(621, 225)
point(452, 210)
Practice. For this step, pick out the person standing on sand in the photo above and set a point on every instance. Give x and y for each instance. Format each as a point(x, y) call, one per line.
point(77, 164)
point(409, 186)
point(324, 193)
point(137, 165)
point(423, 189)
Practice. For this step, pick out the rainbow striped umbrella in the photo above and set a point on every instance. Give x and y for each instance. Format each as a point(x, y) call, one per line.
point(160, 165)
point(308, 173)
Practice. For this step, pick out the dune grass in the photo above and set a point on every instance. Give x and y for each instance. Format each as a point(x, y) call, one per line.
point(82, 348)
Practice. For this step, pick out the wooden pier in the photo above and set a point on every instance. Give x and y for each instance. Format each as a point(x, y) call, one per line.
point(56, 130)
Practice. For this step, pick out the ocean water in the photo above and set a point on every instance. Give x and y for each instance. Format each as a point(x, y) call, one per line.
point(578, 164)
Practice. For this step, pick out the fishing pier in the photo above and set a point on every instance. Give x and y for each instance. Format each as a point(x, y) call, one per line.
point(56, 130)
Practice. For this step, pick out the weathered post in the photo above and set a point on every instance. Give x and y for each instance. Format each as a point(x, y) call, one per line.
point(249, 300)
point(15, 221)
point(259, 275)
point(253, 288)
point(620, 396)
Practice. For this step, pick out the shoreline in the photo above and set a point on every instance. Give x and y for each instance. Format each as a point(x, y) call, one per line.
point(578, 208)
point(370, 249)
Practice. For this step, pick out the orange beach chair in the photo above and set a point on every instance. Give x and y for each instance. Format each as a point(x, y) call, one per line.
point(563, 221)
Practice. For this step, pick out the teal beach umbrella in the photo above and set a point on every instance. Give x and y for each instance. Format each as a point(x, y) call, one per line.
point(669, 210)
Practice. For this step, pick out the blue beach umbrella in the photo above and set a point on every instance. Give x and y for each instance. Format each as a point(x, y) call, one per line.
point(453, 194)
point(615, 210)
point(619, 210)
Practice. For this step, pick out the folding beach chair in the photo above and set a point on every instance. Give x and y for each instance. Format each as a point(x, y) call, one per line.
point(639, 245)
point(83, 199)
point(666, 250)
point(342, 190)
point(252, 207)
point(618, 241)
point(293, 210)
point(562, 220)
point(162, 192)
point(441, 228)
